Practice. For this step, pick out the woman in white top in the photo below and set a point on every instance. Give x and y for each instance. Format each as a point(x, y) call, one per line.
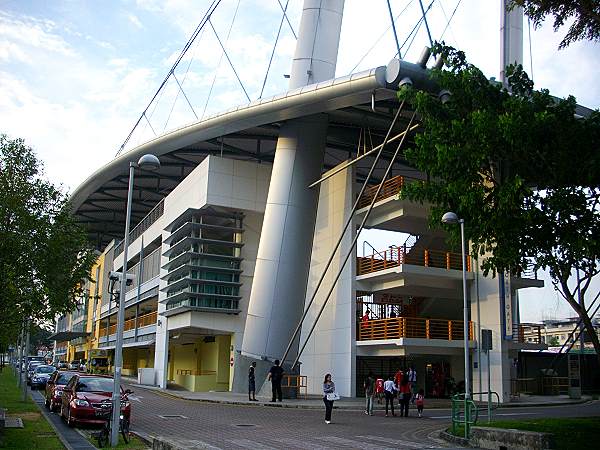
point(328, 388)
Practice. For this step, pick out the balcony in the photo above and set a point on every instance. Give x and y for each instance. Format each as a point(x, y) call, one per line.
point(528, 336)
point(412, 327)
point(142, 321)
point(396, 256)
point(392, 213)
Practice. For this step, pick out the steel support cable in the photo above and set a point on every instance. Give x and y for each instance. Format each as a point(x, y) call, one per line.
point(394, 27)
point(450, 19)
point(181, 87)
point(201, 24)
point(426, 23)
point(364, 155)
point(212, 84)
point(262, 89)
point(228, 59)
point(414, 30)
point(184, 94)
point(355, 239)
point(347, 224)
point(571, 334)
point(380, 38)
point(287, 18)
point(147, 120)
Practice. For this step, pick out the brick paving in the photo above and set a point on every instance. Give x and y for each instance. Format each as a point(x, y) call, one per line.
point(193, 424)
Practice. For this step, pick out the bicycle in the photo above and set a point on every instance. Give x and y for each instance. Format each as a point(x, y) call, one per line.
point(103, 436)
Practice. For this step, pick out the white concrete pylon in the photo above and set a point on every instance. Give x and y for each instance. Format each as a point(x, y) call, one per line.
point(511, 37)
point(281, 273)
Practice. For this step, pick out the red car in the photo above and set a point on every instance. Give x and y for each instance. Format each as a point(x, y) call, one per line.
point(86, 399)
point(54, 388)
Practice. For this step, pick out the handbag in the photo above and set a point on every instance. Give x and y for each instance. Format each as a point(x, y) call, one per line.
point(333, 396)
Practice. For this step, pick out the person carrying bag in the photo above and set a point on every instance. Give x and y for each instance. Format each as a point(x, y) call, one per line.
point(329, 396)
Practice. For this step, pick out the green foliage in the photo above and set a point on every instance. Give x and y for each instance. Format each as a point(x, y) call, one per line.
point(518, 165)
point(585, 15)
point(553, 341)
point(44, 253)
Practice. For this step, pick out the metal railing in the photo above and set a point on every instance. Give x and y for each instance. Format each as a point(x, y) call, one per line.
point(528, 333)
point(390, 187)
point(412, 327)
point(154, 214)
point(142, 321)
point(395, 256)
point(195, 372)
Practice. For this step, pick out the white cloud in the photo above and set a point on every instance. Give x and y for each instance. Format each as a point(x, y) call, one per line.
point(135, 21)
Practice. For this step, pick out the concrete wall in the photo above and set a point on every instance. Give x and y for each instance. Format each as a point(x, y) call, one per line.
point(331, 347)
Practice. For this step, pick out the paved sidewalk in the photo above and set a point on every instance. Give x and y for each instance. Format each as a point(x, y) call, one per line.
point(351, 404)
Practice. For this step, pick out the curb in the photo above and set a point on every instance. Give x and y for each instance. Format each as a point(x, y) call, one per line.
point(444, 435)
point(61, 438)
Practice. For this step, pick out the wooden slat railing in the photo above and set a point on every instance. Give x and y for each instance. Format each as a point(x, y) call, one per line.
point(390, 187)
point(395, 256)
point(412, 327)
point(143, 321)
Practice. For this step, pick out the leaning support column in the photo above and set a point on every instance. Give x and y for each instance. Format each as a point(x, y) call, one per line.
point(281, 273)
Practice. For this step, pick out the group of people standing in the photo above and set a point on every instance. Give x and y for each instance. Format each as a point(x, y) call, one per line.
point(402, 386)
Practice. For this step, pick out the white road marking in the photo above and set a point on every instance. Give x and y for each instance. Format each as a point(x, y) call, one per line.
point(135, 398)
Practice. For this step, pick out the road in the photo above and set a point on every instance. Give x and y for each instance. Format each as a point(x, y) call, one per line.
point(198, 425)
point(218, 426)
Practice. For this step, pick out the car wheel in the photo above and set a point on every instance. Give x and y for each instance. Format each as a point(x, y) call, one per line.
point(48, 404)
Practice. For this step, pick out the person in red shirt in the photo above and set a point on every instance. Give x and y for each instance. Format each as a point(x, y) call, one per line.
point(404, 396)
point(398, 378)
point(379, 389)
point(365, 318)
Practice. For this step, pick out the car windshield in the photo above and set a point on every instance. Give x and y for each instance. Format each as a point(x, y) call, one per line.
point(64, 377)
point(95, 385)
point(33, 365)
point(45, 369)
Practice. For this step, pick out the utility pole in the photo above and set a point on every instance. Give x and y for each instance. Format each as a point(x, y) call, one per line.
point(24, 382)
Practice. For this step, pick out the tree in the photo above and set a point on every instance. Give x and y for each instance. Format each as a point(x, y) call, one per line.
point(522, 169)
point(553, 341)
point(586, 15)
point(44, 252)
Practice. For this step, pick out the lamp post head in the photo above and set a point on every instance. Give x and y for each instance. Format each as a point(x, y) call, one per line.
point(450, 217)
point(149, 162)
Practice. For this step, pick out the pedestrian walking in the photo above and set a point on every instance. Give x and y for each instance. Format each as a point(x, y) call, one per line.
point(275, 376)
point(369, 386)
point(329, 396)
point(379, 389)
point(412, 379)
point(404, 396)
point(389, 389)
point(420, 402)
point(252, 382)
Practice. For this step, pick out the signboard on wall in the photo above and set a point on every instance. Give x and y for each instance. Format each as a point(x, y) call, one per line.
point(506, 305)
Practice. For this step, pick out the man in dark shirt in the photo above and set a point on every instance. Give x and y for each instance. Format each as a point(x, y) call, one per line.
point(275, 375)
point(251, 383)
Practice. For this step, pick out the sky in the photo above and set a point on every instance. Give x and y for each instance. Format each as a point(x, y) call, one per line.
point(75, 75)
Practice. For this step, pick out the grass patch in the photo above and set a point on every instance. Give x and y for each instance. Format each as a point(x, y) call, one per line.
point(36, 432)
point(569, 433)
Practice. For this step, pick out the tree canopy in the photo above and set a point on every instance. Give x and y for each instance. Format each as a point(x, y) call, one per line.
point(585, 15)
point(44, 253)
point(520, 166)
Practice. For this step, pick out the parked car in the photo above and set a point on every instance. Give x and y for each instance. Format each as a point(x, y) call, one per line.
point(62, 365)
point(54, 387)
point(30, 369)
point(40, 376)
point(74, 365)
point(87, 398)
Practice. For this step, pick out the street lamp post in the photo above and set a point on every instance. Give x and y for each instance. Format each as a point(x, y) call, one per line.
point(149, 162)
point(452, 218)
